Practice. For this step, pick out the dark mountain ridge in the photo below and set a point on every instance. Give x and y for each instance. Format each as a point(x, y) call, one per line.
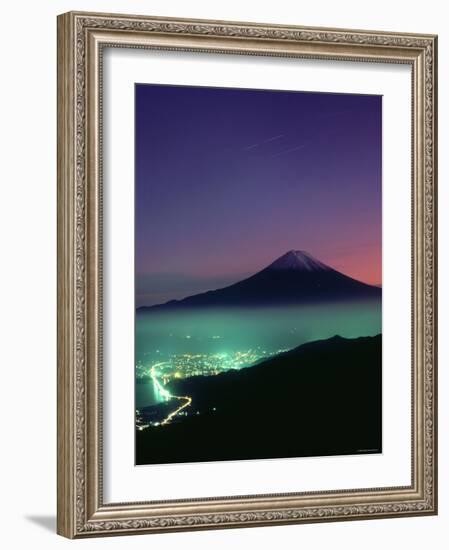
point(322, 398)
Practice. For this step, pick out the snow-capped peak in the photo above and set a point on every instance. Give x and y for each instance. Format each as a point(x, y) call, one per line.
point(298, 260)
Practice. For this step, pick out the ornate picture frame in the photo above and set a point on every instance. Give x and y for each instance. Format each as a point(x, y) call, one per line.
point(82, 38)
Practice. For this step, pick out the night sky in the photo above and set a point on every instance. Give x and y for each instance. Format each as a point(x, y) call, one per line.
point(227, 180)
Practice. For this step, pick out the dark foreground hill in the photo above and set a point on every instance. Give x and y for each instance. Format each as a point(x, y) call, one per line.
point(322, 398)
point(294, 278)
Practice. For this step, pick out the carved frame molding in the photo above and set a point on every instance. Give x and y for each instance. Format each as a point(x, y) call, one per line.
point(81, 39)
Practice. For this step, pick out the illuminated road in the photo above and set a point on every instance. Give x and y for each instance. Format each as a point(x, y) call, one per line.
point(185, 399)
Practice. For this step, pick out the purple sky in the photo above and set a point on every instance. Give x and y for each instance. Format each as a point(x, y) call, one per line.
point(229, 179)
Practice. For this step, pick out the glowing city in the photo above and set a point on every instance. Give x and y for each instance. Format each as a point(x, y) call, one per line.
point(186, 365)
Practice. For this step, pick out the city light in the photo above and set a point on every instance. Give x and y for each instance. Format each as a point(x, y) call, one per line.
point(187, 365)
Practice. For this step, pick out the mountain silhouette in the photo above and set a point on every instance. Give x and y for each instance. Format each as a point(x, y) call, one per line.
point(294, 278)
point(321, 398)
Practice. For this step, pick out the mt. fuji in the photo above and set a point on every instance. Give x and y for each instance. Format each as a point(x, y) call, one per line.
point(298, 260)
point(295, 277)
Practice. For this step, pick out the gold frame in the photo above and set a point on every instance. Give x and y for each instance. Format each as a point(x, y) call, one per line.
point(81, 38)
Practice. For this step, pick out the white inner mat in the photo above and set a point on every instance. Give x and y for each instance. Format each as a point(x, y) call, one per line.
point(125, 482)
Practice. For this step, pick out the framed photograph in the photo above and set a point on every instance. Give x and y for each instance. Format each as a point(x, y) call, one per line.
point(246, 274)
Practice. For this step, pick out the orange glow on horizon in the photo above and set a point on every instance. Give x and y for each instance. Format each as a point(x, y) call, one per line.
point(365, 267)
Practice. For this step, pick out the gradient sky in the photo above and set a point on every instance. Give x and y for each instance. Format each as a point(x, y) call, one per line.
point(227, 180)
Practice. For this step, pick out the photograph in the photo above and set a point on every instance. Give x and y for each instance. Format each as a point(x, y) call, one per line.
point(247, 278)
point(222, 234)
point(258, 274)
